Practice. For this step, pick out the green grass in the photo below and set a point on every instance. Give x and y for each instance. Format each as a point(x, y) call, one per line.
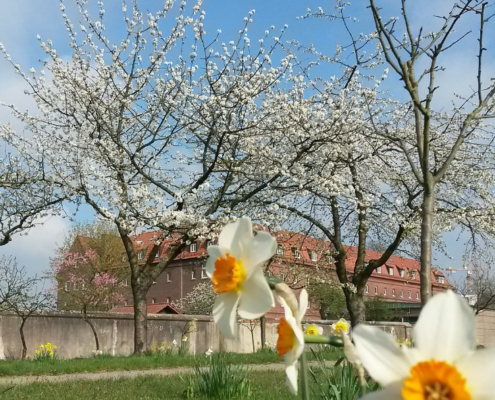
point(265, 385)
point(108, 363)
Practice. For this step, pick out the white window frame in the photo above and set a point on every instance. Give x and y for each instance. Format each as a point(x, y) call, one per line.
point(379, 269)
point(169, 279)
point(67, 286)
point(376, 290)
point(126, 282)
point(193, 274)
point(384, 291)
point(401, 294)
point(282, 276)
point(296, 253)
point(366, 289)
point(193, 247)
point(314, 256)
point(157, 255)
point(409, 296)
point(390, 271)
point(140, 255)
point(402, 273)
point(203, 272)
point(440, 279)
point(153, 300)
point(280, 249)
point(393, 292)
point(74, 286)
point(169, 300)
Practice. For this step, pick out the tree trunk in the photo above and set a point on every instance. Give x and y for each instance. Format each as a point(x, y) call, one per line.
point(95, 334)
point(426, 235)
point(23, 340)
point(140, 319)
point(356, 308)
point(263, 330)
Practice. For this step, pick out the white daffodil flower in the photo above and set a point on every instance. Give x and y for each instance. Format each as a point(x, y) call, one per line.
point(290, 343)
point(340, 326)
point(234, 267)
point(444, 363)
point(312, 329)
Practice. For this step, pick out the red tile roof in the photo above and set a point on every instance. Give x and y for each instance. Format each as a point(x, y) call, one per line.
point(154, 308)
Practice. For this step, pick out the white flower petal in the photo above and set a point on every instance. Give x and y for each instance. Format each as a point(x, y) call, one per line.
point(224, 313)
point(236, 236)
point(256, 296)
point(303, 305)
point(479, 369)
point(261, 248)
point(445, 328)
point(391, 392)
point(381, 356)
point(297, 350)
point(213, 253)
point(291, 381)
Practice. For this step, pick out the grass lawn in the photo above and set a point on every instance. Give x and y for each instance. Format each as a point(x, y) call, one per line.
point(267, 385)
point(108, 363)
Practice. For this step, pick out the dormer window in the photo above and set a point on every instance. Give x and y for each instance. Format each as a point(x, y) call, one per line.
point(157, 255)
point(193, 248)
point(402, 273)
point(390, 271)
point(140, 255)
point(440, 279)
point(378, 270)
point(313, 255)
point(280, 250)
point(296, 253)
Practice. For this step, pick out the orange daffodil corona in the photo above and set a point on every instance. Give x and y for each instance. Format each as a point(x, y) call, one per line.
point(444, 363)
point(234, 267)
point(290, 343)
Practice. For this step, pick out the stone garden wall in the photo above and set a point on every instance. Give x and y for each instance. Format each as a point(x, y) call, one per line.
point(74, 338)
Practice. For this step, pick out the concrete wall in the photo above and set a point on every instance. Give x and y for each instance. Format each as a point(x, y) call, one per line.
point(74, 338)
point(485, 327)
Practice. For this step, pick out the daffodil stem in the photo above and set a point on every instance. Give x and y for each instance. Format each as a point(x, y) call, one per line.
point(331, 340)
point(304, 377)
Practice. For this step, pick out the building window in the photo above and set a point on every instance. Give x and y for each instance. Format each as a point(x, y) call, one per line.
point(126, 303)
point(268, 273)
point(440, 279)
point(384, 291)
point(193, 274)
point(140, 255)
point(282, 276)
point(393, 292)
point(157, 255)
point(409, 294)
point(168, 300)
point(126, 282)
point(169, 279)
point(376, 290)
point(378, 270)
point(296, 253)
point(366, 289)
point(280, 250)
point(417, 296)
point(67, 286)
point(203, 272)
point(402, 273)
point(74, 286)
point(390, 271)
point(193, 248)
point(331, 260)
point(314, 256)
point(153, 300)
point(401, 294)
point(83, 286)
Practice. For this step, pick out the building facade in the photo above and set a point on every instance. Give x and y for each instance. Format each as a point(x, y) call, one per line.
point(299, 261)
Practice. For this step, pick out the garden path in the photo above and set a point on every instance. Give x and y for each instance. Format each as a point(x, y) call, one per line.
point(92, 376)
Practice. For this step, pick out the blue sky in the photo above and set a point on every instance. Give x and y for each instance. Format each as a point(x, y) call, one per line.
point(22, 20)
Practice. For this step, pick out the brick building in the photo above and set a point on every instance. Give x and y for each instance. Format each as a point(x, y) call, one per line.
point(298, 260)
